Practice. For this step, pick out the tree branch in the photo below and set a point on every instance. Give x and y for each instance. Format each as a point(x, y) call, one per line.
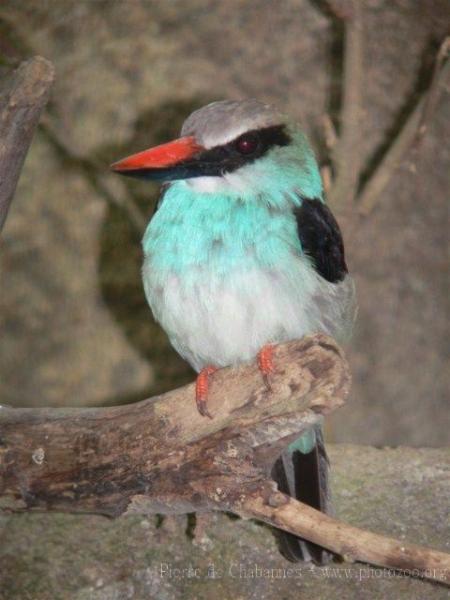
point(161, 456)
point(160, 452)
point(346, 152)
point(342, 189)
point(24, 95)
point(353, 543)
point(409, 136)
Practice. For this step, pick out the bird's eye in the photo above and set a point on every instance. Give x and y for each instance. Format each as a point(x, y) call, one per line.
point(247, 143)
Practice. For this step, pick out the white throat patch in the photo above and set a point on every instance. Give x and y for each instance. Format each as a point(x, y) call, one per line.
point(207, 184)
point(241, 181)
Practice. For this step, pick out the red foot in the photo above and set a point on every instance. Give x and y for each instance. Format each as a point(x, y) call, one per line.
point(201, 390)
point(265, 363)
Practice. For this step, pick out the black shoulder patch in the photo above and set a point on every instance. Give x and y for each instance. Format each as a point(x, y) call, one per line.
point(321, 239)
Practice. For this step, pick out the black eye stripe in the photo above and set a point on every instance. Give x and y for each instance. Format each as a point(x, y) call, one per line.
point(227, 158)
point(268, 137)
point(219, 160)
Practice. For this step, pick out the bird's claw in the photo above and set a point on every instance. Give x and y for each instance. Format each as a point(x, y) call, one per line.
point(201, 390)
point(266, 364)
point(202, 407)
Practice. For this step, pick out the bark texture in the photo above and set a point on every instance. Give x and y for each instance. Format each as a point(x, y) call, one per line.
point(160, 455)
point(22, 98)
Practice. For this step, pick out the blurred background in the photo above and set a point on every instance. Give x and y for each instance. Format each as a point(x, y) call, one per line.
point(75, 326)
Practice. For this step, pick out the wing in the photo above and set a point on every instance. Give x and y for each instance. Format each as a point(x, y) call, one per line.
point(321, 239)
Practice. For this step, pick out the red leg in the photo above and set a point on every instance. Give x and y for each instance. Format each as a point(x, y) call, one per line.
point(265, 362)
point(201, 390)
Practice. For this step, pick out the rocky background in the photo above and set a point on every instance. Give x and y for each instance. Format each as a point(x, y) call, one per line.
point(74, 325)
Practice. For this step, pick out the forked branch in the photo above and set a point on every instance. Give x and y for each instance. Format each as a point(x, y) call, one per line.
point(410, 135)
point(346, 188)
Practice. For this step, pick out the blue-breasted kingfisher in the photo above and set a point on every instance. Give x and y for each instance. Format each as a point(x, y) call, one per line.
point(243, 253)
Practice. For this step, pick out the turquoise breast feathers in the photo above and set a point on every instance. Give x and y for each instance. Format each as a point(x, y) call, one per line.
point(225, 275)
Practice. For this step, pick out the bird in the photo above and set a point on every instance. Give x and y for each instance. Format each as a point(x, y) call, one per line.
point(243, 253)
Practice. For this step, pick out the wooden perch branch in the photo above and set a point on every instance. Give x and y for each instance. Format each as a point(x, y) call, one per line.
point(161, 456)
point(23, 97)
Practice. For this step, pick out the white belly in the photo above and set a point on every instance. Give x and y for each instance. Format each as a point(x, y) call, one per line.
point(217, 321)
